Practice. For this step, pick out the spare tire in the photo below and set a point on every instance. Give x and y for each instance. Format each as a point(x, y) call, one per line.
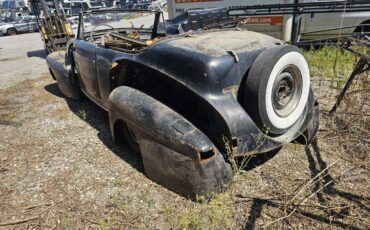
point(276, 89)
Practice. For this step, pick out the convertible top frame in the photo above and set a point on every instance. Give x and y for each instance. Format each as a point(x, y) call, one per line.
point(158, 14)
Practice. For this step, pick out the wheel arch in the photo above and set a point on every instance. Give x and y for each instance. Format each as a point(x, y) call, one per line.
point(174, 94)
point(10, 28)
point(359, 27)
point(117, 132)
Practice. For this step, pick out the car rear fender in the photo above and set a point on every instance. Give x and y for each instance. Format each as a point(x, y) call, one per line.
point(175, 94)
point(175, 153)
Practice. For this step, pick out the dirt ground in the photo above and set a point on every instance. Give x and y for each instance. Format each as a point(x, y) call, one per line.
point(59, 169)
point(21, 57)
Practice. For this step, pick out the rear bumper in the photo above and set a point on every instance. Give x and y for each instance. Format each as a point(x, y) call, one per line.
point(175, 153)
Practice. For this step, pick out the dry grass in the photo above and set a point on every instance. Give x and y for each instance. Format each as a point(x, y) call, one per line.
point(60, 170)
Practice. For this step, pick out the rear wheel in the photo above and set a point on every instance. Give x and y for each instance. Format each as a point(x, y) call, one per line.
point(130, 137)
point(276, 89)
point(11, 31)
point(363, 29)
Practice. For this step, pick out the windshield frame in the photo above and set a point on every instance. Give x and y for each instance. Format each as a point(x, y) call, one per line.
point(157, 16)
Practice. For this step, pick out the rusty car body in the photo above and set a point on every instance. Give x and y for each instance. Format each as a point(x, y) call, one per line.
point(188, 103)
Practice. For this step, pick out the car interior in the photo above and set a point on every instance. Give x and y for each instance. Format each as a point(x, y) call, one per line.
point(131, 40)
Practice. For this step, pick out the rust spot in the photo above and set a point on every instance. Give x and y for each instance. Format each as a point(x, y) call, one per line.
point(231, 89)
point(114, 64)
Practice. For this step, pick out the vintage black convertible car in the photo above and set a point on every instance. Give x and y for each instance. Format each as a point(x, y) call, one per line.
point(189, 103)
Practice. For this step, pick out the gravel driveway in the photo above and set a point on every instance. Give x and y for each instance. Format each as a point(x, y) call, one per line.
point(21, 57)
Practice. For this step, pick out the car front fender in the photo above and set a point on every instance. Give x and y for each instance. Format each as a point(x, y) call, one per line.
point(64, 74)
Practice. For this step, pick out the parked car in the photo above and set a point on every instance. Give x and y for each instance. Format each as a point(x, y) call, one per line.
point(135, 4)
point(16, 16)
point(189, 103)
point(73, 8)
point(111, 4)
point(23, 26)
point(158, 5)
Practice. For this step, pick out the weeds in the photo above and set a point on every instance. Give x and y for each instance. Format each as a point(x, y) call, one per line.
point(215, 213)
point(117, 182)
point(11, 119)
point(82, 114)
point(350, 125)
point(325, 63)
point(66, 222)
point(94, 152)
point(230, 155)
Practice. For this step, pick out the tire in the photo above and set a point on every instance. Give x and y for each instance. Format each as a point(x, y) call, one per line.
point(11, 31)
point(47, 50)
point(277, 88)
point(130, 138)
point(362, 29)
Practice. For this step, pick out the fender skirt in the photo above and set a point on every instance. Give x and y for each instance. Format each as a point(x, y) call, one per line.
point(175, 153)
point(64, 74)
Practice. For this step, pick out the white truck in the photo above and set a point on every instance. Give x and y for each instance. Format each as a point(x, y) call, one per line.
point(22, 26)
point(281, 26)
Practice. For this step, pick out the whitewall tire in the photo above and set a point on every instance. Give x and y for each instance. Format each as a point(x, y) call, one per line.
point(276, 89)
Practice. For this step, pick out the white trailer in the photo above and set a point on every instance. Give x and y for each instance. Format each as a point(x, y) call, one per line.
point(281, 26)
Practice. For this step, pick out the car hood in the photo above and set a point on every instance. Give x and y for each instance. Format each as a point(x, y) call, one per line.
point(218, 43)
point(7, 25)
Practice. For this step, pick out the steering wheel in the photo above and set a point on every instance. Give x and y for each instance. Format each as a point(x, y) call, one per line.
point(102, 24)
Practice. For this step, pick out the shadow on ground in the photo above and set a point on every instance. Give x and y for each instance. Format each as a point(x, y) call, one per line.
point(316, 165)
point(98, 118)
point(320, 166)
point(251, 162)
point(37, 53)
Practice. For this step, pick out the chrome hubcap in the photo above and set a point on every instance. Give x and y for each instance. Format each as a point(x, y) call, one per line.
point(287, 90)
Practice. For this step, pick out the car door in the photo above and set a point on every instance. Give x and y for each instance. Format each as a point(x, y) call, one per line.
point(325, 21)
point(85, 62)
point(30, 26)
point(21, 27)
